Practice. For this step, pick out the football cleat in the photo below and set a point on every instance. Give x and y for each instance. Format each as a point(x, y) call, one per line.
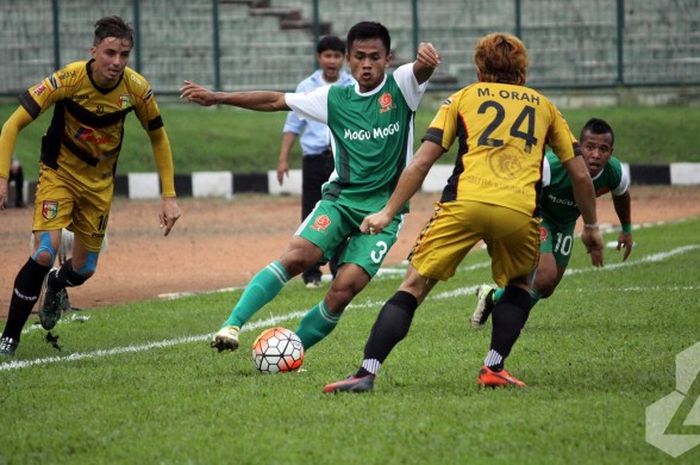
point(484, 306)
point(225, 339)
point(351, 384)
point(494, 379)
point(51, 308)
point(8, 346)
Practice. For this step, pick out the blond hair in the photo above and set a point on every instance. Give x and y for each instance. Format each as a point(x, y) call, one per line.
point(501, 57)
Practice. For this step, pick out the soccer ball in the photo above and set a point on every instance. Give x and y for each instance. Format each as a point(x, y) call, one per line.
point(277, 350)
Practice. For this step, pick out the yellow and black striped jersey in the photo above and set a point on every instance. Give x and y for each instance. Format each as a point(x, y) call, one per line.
point(502, 131)
point(87, 128)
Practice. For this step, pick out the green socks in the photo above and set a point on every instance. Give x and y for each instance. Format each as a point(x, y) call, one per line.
point(260, 290)
point(533, 293)
point(316, 324)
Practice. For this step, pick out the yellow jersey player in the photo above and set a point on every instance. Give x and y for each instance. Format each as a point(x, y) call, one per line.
point(501, 128)
point(79, 154)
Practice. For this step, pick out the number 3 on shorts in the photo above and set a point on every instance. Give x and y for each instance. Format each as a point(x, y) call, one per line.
point(377, 255)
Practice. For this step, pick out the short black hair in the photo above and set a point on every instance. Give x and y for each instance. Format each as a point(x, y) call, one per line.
point(112, 26)
point(369, 30)
point(334, 43)
point(597, 126)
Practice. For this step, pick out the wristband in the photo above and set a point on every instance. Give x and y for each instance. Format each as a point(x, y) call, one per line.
point(627, 228)
point(591, 226)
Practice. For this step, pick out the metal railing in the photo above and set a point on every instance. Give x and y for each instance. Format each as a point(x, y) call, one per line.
point(269, 44)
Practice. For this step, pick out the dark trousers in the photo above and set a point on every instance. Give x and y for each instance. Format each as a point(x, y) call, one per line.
point(315, 171)
point(18, 177)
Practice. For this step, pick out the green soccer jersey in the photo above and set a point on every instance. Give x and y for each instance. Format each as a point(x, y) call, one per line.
point(371, 135)
point(558, 202)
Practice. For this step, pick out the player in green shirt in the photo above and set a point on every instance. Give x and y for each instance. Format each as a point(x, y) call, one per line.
point(371, 125)
point(559, 214)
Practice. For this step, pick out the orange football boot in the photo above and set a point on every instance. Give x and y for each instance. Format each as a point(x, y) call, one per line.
point(493, 379)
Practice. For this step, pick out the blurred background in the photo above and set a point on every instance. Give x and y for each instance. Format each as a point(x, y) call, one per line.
point(246, 44)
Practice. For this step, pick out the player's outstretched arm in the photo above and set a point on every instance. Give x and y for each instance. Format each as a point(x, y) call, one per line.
point(169, 210)
point(410, 181)
point(623, 208)
point(255, 100)
point(584, 195)
point(427, 59)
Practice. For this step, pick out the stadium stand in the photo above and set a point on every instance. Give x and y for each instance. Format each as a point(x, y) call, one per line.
point(268, 43)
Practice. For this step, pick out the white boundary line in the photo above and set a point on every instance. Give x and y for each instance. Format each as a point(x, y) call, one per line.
point(18, 364)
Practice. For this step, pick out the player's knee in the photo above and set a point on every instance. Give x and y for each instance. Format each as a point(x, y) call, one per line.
point(545, 284)
point(546, 289)
point(297, 260)
point(45, 254)
point(89, 267)
point(338, 297)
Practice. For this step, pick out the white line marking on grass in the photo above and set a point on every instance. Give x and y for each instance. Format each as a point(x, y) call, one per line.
point(73, 318)
point(657, 257)
point(637, 289)
point(14, 365)
point(141, 347)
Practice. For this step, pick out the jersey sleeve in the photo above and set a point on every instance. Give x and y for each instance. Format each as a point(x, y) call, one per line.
point(546, 171)
point(51, 89)
point(411, 90)
point(313, 104)
point(560, 137)
point(293, 123)
point(147, 110)
point(624, 183)
point(443, 128)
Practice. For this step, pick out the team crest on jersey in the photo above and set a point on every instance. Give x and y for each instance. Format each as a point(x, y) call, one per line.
point(505, 165)
point(49, 209)
point(124, 101)
point(321, 223)
point(386, 102)
point(544, 234)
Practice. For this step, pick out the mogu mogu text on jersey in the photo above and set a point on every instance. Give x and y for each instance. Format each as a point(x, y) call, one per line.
point(375, 133)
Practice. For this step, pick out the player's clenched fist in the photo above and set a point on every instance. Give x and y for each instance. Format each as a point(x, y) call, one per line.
point(428, 54)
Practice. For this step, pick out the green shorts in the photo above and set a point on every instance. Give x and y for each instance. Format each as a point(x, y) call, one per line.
point(331, 226)
point(557, 238)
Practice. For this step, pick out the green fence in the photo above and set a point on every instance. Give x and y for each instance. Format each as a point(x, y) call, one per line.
point(269, 44)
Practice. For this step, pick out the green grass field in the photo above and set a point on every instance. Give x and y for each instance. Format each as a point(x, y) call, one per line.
point(242, 141)
point(138, 383)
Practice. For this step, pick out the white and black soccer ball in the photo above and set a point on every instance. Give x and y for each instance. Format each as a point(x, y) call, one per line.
point(278, 350)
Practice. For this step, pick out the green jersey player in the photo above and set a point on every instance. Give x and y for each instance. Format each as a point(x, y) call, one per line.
point(559, 214)
point(371, 126)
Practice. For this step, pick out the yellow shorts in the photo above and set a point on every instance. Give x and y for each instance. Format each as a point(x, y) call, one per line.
point(62, 202)
point(512, 239)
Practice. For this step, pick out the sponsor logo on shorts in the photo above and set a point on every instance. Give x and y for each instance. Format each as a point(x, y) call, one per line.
point(386, 102)
point(543, 233)
point(49, 209)
point(321, 223)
